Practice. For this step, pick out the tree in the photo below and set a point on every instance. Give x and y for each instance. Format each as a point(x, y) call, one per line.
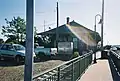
point(35, 35)
point(46, 40)
point(15, 28)
point(98, 38)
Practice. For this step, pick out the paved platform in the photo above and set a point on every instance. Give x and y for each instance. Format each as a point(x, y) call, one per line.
point(98, 72)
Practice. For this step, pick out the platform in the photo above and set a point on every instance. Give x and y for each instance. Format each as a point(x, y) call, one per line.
point(98, 72)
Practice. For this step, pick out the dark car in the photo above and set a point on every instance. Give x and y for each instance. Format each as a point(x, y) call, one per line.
point(107, 47)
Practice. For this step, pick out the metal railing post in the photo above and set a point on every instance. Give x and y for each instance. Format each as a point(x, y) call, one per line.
point(58, 74)
point(84, 63)
point(79, 67)
point(72, 71)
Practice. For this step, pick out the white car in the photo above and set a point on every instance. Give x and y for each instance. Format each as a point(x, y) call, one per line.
point(45, 53)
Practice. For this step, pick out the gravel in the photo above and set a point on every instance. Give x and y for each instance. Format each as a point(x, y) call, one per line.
point(16, 73)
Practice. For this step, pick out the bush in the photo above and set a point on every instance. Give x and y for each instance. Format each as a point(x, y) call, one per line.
point(75, 49)
point(40, 55)
point(75, 54)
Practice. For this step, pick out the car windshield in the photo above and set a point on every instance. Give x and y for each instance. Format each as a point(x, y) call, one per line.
point(0, 45)
point(19, 47)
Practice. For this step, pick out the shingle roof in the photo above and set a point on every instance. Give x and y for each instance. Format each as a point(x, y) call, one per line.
point(81, 32)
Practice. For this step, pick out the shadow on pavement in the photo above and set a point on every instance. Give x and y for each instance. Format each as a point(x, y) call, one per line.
point(115, 75)
point(7, 63)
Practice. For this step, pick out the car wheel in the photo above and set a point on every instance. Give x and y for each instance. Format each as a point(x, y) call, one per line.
point(1, 58)
point(18, 59)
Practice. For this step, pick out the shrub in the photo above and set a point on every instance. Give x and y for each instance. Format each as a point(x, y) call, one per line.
point(40, 55)
point(75, 54)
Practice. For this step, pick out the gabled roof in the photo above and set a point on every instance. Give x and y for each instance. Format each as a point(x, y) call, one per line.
point(61, 30)
point(81, 32)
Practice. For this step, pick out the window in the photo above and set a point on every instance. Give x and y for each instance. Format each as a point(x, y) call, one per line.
point(10, 47)
point(4, 47)
point(19, 47)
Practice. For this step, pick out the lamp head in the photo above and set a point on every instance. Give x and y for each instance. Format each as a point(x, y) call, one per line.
point(100, 22)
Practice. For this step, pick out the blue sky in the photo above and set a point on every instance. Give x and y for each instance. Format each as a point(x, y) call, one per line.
point(82, 11)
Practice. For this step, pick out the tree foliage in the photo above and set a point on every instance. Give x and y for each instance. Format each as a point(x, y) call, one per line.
point(46, 40)
point(16, 28)
point(98, 38)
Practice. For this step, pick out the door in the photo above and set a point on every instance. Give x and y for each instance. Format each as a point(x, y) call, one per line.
point(7, 51)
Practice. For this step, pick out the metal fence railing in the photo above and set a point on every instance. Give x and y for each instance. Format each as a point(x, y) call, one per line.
point(68, 71)
point(116, 59)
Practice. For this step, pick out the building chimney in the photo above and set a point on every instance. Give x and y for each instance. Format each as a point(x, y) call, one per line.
point(68, 20)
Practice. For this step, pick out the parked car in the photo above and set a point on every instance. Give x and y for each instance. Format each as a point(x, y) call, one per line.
point(107, 47)
point(44, 53)
point(13, 51)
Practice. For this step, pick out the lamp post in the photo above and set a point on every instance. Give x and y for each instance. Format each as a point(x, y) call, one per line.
point(95, 36)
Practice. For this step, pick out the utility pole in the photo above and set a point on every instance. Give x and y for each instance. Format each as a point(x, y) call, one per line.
point(44, 25)
point(57, 34)
point(102, 24)
point(28, 71)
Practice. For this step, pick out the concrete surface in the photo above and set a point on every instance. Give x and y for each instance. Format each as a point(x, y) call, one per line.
point(98, 72)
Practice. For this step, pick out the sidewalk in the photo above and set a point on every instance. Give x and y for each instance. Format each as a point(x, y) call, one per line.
point(98, 72)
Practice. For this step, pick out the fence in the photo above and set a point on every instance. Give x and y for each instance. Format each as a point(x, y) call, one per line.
point(116, 59)
point(68, 71)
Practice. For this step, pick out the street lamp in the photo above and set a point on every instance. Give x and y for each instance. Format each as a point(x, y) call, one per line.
point(95, 36)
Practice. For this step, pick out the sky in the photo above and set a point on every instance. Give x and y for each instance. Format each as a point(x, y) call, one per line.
point(81, 11)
